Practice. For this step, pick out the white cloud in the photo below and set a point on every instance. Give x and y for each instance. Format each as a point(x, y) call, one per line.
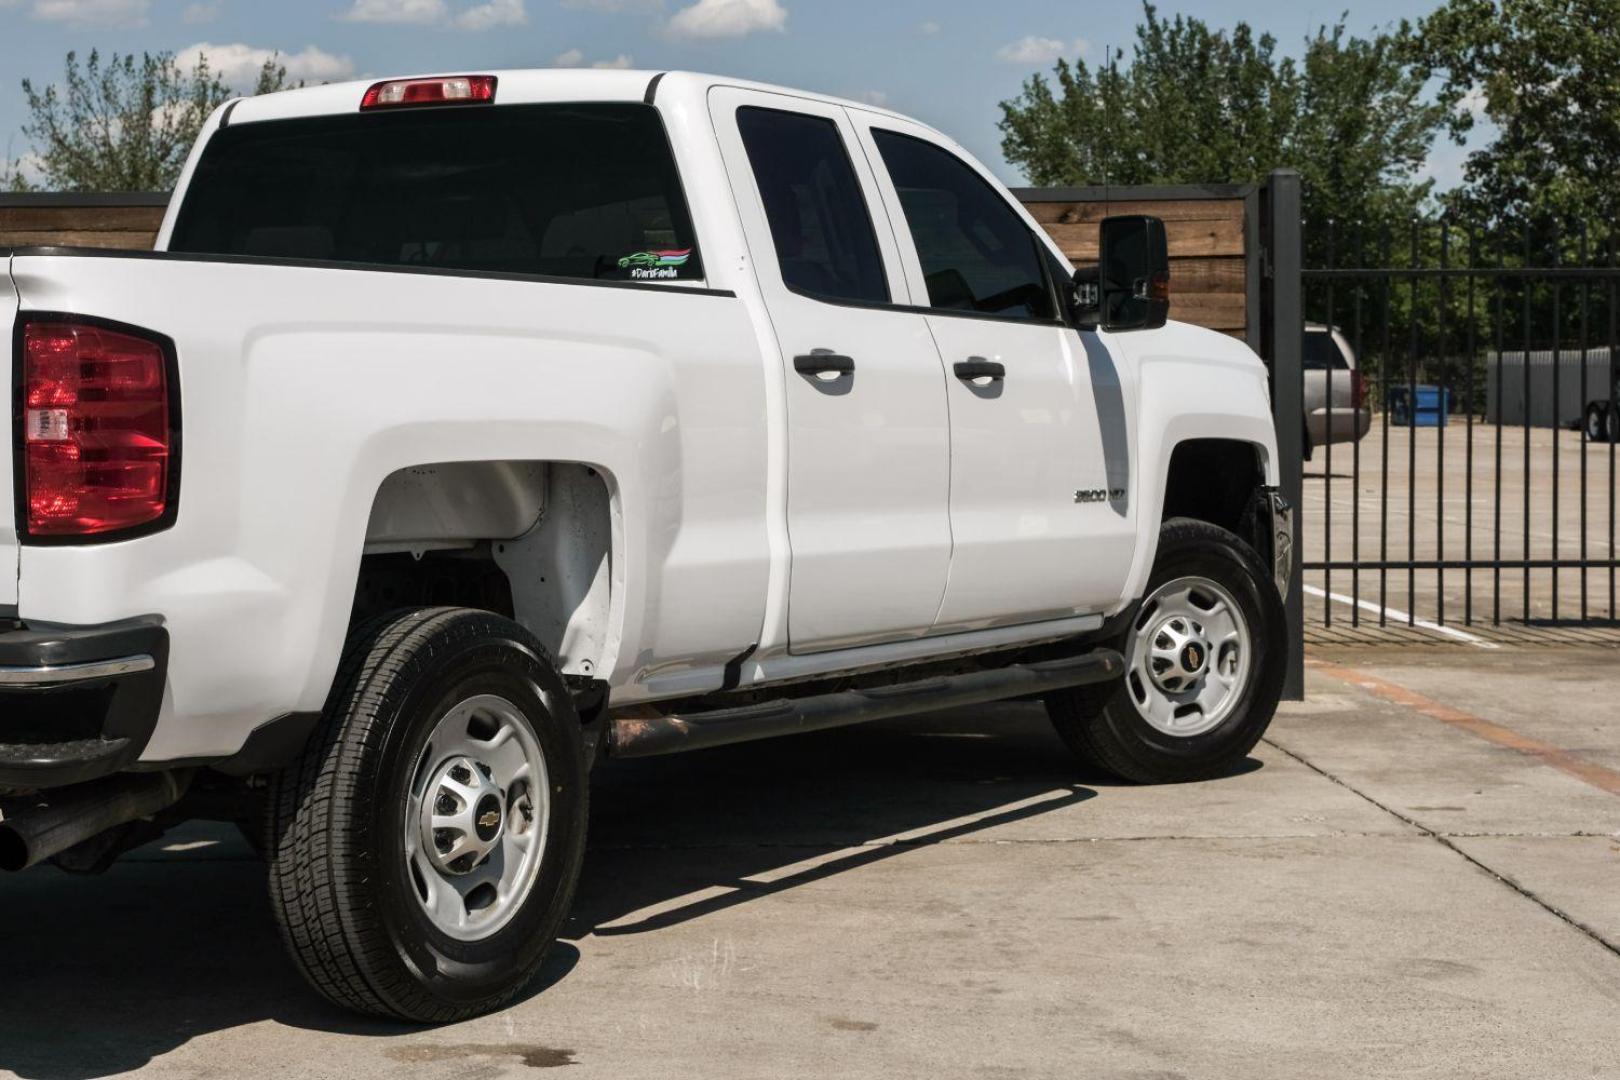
point(574, 58)
point(239, 64)
point(710, 19)
point(1475, 101)
point(481, 16)
point(875, 97)
point(93, 12)
point(200, 13)
point(614, 7)
point(929, 28)
point(31, 167)
point(419, 12)
point(488, 16)
point(1039, 50)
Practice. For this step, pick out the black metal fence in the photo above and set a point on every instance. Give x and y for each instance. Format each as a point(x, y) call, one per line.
point(1483, 490)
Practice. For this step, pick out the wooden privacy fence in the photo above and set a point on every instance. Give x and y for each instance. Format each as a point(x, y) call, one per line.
point(1212, 232)
point(127, 220)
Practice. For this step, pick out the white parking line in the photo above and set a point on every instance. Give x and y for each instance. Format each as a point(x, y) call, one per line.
point(1396, 615)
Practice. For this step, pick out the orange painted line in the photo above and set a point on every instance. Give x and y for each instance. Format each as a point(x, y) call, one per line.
point(1599, 776)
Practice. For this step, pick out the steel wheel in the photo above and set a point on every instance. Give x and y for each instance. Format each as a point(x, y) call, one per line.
point(1189, 657)
point(475, 825)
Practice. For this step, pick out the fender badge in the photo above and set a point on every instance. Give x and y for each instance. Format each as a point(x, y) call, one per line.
point(1097, 495)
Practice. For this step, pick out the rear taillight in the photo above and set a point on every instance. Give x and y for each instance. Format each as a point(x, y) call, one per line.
point(447, 90)
point(98, 437)
point(1358, 390)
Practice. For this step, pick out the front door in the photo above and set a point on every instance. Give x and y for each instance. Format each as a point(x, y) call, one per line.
point(1040, 461)
point(868, 455)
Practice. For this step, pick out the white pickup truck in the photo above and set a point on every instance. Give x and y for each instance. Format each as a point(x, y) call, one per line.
point(462, 430)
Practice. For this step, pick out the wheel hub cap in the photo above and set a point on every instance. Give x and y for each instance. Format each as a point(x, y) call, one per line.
point(1180, 654)
point(1189, 657)
point(461, 821)
point(476, 820)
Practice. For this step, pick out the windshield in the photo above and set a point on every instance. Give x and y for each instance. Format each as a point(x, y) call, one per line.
point(574, 191)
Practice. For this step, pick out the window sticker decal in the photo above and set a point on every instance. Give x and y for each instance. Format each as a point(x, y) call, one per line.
point(664, 264)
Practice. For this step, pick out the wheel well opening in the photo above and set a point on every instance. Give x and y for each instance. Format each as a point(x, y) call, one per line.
point(1221, 481)
point(530, 541)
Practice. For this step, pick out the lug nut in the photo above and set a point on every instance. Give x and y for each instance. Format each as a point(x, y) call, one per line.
point(444, 804)
point(459, 774)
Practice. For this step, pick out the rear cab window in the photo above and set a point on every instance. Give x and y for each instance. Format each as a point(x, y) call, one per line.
point(587, 191)
point(822, 229)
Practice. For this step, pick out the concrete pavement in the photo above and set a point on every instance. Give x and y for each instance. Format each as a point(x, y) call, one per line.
point(1374, 893)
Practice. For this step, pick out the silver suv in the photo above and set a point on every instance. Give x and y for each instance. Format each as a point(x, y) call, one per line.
point(1331, 376)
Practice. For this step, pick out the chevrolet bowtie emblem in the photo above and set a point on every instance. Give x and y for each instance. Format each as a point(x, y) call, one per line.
point(490, 820)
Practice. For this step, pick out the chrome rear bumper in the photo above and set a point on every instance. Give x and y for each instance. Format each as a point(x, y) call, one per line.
point(78, 702)
point(66, 674)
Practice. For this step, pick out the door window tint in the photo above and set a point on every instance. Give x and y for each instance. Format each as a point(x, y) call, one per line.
point(977, 255)
point(578, 191)
point(819, 219)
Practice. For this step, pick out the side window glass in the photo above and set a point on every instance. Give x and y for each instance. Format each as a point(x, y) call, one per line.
point(819, 220)
point(977, 255)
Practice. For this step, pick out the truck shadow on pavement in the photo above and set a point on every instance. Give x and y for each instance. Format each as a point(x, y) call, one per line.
point(101, 976)
point(738, 823)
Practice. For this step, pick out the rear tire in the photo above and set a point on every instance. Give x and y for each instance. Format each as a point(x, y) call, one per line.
point(1601, 425)
point(1205, 658)
point(425, 848)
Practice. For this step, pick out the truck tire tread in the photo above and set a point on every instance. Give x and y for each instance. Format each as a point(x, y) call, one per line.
point(325, 916)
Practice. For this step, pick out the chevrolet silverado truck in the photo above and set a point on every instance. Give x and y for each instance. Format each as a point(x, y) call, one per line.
point(464, 430)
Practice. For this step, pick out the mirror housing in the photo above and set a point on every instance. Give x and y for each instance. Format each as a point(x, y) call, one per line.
point(1129, 289)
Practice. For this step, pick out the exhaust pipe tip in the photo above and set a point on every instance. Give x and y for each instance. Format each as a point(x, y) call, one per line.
point(13, 850)
point(65, 817)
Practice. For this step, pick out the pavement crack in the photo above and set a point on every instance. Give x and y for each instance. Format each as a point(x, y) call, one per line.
point(1445, 840)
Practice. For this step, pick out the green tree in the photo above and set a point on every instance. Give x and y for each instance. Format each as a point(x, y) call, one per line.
point(1198, 105)
point(1546, 74)
point(126, 125)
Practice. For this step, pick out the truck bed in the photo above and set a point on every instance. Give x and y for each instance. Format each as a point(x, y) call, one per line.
point(303, 387)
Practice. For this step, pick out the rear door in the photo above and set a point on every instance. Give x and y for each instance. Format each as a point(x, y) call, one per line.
point(8, 517)
point(868, 456)
point(1040, 463)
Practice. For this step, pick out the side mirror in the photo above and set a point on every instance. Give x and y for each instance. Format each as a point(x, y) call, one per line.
point(1129, 289)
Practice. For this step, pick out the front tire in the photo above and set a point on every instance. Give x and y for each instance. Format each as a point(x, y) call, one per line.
point(424, 850)
point(1205, 656)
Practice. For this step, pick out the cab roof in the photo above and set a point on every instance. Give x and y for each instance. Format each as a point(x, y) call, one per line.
point(528, 86)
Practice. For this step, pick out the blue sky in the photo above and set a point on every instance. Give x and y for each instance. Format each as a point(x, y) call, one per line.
point(947, 62)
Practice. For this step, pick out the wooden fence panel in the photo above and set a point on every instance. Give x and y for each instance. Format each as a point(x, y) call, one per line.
point(1208, 231)
point(126, 222)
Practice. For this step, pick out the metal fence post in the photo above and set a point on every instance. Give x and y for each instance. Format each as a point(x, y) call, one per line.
point(1283, 334)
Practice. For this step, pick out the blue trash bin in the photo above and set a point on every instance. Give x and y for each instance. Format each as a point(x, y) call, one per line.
point(1433, 406)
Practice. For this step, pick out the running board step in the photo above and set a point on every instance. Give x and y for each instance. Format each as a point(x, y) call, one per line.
point(676, 732)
